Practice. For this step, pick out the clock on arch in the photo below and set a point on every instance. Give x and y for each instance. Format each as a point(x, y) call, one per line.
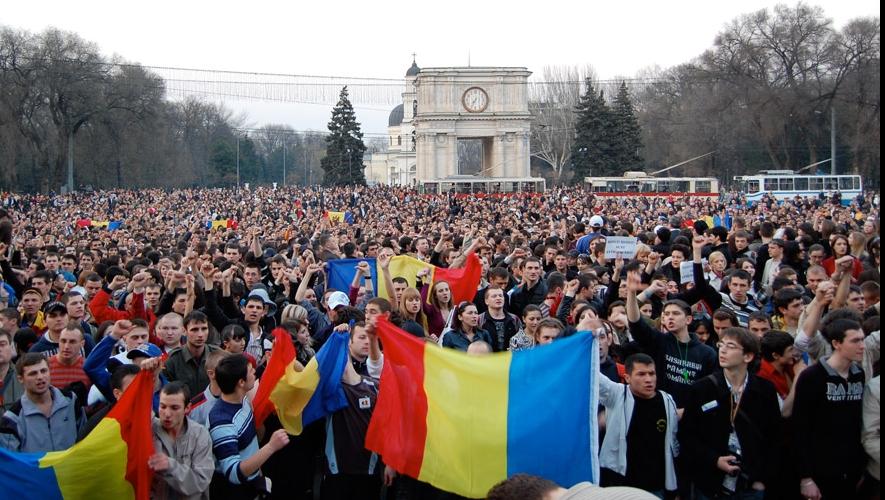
point(475, 100)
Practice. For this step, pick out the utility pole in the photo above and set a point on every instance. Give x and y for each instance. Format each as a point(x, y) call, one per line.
point(306, 168)
point(284, 161)
point(238, 161)
point(832, 139)
point(71, 161)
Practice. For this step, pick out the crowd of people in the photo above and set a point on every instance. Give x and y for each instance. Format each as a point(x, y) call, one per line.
point(739, 344)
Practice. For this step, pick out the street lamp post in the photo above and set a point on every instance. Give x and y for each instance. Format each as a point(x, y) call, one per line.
point(349, 169)
point(238, 161)
point(284, 161)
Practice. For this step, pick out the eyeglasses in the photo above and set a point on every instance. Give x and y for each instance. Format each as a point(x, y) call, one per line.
point(722, 346)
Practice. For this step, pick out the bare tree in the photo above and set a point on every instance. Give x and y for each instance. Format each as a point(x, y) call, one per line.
point(552, 104)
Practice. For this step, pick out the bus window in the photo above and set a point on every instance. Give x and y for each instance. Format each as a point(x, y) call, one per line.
point(785, 184)
point(702, 187)
point(845, 183)
point(831, 183)
point(816, 184)
point(632, 188)
point(801, 183)
point(856, 182)
point(771, 184)
point(753, 186)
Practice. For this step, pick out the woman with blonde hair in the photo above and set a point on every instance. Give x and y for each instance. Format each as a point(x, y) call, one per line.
point(412, 313)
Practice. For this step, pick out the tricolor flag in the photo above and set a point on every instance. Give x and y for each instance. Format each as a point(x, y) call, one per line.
point(302, 397)
point(464, 423)
point(100, 223)
point(111, 462)
point(462, 281)
point(346, 217)
point(222, 224)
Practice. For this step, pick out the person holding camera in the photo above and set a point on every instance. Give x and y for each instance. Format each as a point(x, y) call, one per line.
point(730, 429)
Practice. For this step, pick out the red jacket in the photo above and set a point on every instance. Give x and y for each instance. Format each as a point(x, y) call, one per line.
point(101, 309)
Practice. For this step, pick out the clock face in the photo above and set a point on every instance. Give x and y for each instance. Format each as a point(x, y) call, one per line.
point(475, 100)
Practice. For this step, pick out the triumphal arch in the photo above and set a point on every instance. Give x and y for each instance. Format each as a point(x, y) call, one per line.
point(471, 123)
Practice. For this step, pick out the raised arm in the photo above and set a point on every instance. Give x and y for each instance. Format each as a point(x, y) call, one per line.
point(842, 277)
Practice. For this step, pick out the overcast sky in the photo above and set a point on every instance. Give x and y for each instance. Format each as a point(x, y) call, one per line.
point(376, 39)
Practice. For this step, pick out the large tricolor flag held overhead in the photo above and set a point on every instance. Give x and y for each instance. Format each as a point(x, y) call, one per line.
point(111, 462)
point(302, 397)
point(464, 423)
point(463, 281)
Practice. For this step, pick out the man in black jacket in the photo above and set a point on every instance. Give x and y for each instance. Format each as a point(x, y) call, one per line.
point(732, 421)
point(680, 357)
point(827, 415)
point(531, 290)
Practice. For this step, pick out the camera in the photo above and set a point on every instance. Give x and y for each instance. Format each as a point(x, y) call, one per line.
point(737, 480)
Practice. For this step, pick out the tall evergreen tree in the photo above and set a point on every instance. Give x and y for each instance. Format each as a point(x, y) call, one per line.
point(591, 151)
point(626, 134)
point(343, 163)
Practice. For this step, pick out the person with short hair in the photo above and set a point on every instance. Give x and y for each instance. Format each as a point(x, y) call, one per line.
point(759, 323)
point(827, 416)
point(680, 357)
point(202, 403)
point(169, 331)
point(788, 306)
point(501, 325)
point(182, 461)
point(187, 363)
point(640, 433)
point(781, 365)
point(11, 389)
point(31, 310)
point(739, 298)
point(56, 321)
point(731, 423)
point(43, 419)
point(238, 459)
point(66, 365)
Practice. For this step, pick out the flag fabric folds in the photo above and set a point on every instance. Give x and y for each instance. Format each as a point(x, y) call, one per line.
point(463, 423)
point(463, 281)
point(111, 462)
point(340, 273)
point(300, 398)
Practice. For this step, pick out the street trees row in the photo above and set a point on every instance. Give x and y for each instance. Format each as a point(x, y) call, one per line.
point(762, 97)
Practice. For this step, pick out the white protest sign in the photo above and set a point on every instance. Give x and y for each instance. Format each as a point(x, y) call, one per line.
point(620, 246)
point(686, 272)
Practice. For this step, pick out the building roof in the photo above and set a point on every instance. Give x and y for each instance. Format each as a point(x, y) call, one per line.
point(413, 69)
point(396, 117)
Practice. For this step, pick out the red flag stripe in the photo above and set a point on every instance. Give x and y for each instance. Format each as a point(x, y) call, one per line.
point(282, 356)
